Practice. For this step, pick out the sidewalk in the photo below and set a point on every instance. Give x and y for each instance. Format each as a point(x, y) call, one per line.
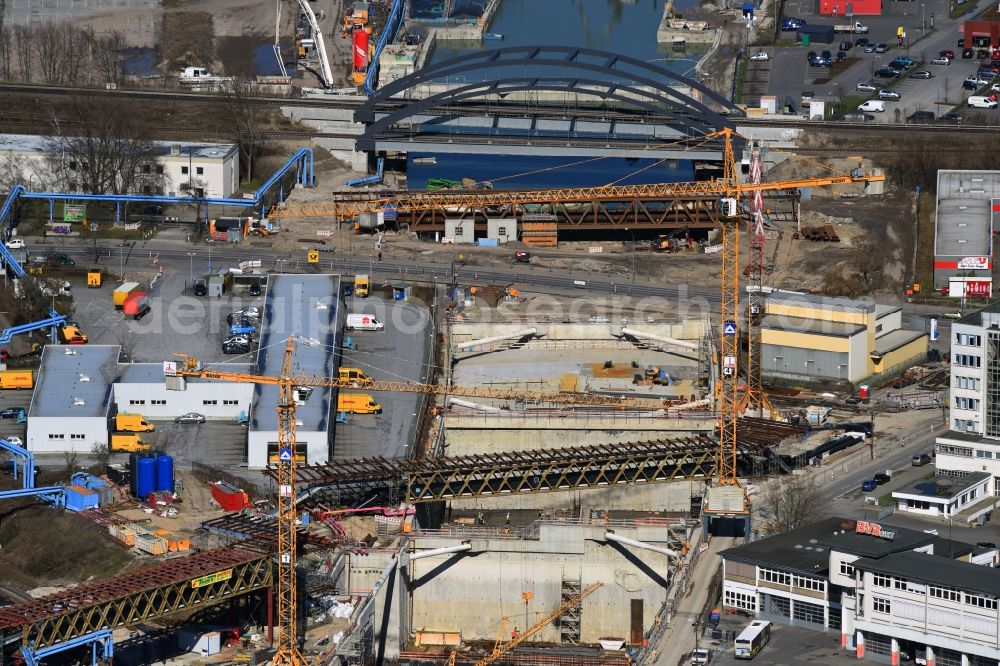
point(678, 639)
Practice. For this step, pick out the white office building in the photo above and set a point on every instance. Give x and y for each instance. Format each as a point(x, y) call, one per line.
point(141, 388)
point(206, 169)
point(886, 590)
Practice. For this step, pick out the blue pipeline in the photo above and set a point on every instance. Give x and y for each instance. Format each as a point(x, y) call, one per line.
point(54, 320)
point(388, 34)
point(373, 179)
point(100, 638)
point(52, 494)
point(29, 462)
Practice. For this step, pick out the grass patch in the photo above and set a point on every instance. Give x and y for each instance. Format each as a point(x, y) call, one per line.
point(957, 10)
point(848, 105)
point(741, 78)
point(886, 500)
point(924, 273)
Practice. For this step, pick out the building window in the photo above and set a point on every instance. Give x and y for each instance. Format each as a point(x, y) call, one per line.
point(968, 340)
point(777, 577)
point(980, 601)
point(966, 403)
point(199, 171)
point(966, 425)
point(983, 454)
point(184, 170)
point(53, 435)
point(878, 328)
point(967, 360)
point(230, 402)
point(879, 580)
point(157, 402)
point(899, 584)
point(971, 383)
point(77, 436)
point(137, 402)
point(806, 612)
point(741, 600)
point(916, 504)
point(948, 450)
point(809, 583)
point(881, 605)
point(846, 569)
point(209, 402)
point(946, 593)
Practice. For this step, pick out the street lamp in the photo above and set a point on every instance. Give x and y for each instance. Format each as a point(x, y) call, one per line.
point(632, 234)
point(191, 256)
point(923, 19)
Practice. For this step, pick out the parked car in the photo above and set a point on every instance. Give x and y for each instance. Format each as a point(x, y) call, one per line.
point(867, 486)
point(846, 45)
point(200, 288)
point(961, 43)
point(952, 315)
point(12, 413)
point(242, 327)
point(237, 340)
point(941, 60)
point(921, 117)
point(760, 56)
point(881, 479)
point(153, 209)
point(921, 459)
point(886, 73)
point(882, 48)
point(701, 656)
point(235, 348)
point(952, 117)
point(978, 81)
point(16, 441)
point(970, 85)
point(63, 259)
point(897, 66)
point(841, 56)
point(968, 53)
point(826, 54)
point(861, 41)
point(921, 74)
point(15, 244)
point(981, 54)
point(870, 48)
point(190, 417)
point(885, 93)
point(792, 23)
point(866, 86)
point(254, 289)
point(986, 544)
point(947, 53)
point(251, 311)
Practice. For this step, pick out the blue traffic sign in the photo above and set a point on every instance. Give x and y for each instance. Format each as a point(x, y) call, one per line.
point(285, 455)
point(729, 328)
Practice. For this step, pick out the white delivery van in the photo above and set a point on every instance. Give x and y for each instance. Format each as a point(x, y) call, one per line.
point(872, 106)
point(363, 322)
point(981, 102)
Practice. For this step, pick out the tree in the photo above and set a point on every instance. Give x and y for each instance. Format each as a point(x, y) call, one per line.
point(24, 50)
point(109, 56)
point(102, 454)
point(246, 116)
point(100, 147)
point(11, 172)
point(791, 501)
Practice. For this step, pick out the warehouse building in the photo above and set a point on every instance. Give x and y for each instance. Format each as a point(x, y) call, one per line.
point(141, 388)
point(967, 205)
point(69, 407)
point(308, 308)
point(872, 583)
point(808, 339)
point(205, 169)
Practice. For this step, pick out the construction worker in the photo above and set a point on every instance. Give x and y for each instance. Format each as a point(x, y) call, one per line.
point(508, 518)
point(513, 634)
point(480, 520)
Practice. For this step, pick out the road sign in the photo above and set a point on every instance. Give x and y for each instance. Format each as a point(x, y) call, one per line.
point(313, 257)
point(285, 455)
point(729, 328)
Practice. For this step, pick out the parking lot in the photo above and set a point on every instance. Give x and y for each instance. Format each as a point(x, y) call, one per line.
point(395, 354)
point(789, 646)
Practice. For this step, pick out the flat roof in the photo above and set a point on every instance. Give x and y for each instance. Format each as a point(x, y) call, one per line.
point(975, 318)
point(75, 381)
point(967, 437)
point(884, 310)
point(941, 571)
point(962, 217)
point(893, 340)
point(821, 302)
point(152, 373)
point(847, 540)
point(35, 143)
point(814, 326)
point(304, 307)
point(942, 487)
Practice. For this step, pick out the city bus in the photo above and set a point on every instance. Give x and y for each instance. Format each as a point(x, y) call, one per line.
point(752, 639)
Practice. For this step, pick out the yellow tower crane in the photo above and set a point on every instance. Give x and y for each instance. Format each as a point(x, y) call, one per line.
point(729, 188)
point(502, 647)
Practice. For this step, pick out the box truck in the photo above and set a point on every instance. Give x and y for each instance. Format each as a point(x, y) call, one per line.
point(361, 285)
point(358, 403)
point(16, 379)
point(133, 423)
point(122, 292)
point(127, 442)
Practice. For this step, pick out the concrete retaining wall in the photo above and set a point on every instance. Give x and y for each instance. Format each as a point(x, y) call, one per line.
point(670, 496)
point(691, 330)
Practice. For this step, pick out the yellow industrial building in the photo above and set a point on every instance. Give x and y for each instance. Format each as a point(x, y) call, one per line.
point(807, 339)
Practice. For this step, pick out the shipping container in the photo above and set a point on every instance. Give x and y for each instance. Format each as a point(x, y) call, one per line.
point(16, 379)
point(123, 533)
point(79, 498)
point(203, 643)
point(150, 543)
point(122, 292)
point(228, 496)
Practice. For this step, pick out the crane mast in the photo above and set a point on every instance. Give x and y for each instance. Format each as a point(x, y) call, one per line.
point(727, 399)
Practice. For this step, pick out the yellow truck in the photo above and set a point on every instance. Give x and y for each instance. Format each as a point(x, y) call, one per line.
point(72, 335)
point(361, 285)
point(127, 442)
point(133, 423)
point(122, 292)
point(358, 403)
point(355, 377)
point(16, 379)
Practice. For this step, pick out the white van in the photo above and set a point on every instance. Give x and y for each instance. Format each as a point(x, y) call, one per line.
point(363, 322)
point(980, 102)
point(872, 106)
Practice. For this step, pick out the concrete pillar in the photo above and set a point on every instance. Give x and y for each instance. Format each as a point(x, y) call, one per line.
point(859, 645)
point(894, 652)
point(930, 656)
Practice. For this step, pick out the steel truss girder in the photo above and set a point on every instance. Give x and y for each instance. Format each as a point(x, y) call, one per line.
point(664, 214)
point(139, 596)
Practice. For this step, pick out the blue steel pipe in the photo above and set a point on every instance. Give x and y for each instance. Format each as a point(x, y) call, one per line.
point(373, 179)
point(388, 34)
point(101, 637)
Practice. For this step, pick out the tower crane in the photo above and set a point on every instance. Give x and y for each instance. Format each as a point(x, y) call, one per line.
point(503, 647)
point(729, 188)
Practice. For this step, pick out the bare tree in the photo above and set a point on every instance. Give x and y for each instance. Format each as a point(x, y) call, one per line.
point(108, 53)
point(24, 51)
point(102, 454)
point(101, 147)
point(72, 460)
point(246, 116)
point(49, 46)
point(790, 502)
point(73, 60)
point(6, 52)
point(11, 172)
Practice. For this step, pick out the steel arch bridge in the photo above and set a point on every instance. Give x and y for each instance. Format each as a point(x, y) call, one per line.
point(497, 83)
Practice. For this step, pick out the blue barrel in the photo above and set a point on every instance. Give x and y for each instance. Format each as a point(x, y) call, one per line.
point(165, 473)
point(145, 477)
